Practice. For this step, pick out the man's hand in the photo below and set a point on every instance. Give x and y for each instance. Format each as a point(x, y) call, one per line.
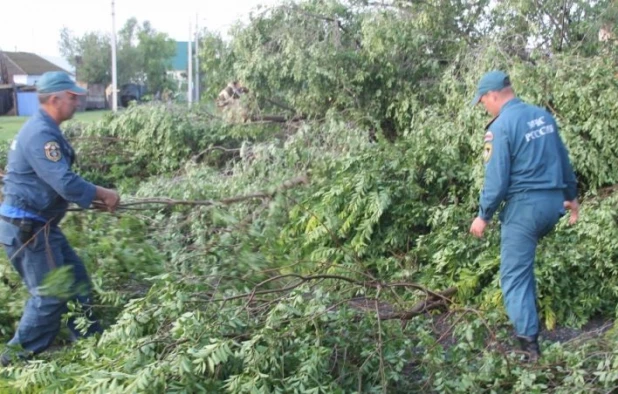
point(478, 227)
point(108, 198)
point(99, 205)
point(573, 206)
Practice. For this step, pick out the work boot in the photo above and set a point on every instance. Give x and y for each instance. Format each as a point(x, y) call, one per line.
point(5, 360)
point(530, 346)
point(9, 356)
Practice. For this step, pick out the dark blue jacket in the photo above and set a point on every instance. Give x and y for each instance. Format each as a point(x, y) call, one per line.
point(523, 152)
point(39, 182)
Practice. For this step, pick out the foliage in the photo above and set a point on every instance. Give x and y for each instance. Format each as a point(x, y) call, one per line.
point(381, 63)
point(301, 244)
point(144, 55)
point(215, 58)
point(147, 61)
point(89, 54)
point(152, 139)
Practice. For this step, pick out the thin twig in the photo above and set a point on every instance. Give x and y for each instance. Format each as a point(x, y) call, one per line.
point(302, 279)
point(380, 350)
point(212, 148)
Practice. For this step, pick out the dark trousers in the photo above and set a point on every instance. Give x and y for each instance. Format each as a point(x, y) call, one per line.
point(45, 251)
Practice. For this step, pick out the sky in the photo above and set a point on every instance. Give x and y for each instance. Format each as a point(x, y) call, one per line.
point(30, 26)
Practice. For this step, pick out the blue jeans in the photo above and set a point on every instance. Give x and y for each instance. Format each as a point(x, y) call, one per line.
point(46, 250)
point(526, 219)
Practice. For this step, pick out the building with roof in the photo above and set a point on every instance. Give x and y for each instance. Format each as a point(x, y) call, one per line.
point(24, 68)
point(179, 66)
point(19, 72)
point(180, 61)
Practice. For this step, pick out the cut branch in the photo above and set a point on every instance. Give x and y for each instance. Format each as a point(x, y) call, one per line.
point(434, 300)
point(290, 183)
point(213, 148)
point(275, 118)
point(99, 138)
point(280, 105)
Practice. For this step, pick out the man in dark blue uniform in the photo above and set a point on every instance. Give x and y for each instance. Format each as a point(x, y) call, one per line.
point(528, 167)
point(38, 187)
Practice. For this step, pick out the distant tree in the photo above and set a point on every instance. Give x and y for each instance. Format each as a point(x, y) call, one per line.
point(143, 55)
point(155, 51)
point(89, 54)
point(216, 61)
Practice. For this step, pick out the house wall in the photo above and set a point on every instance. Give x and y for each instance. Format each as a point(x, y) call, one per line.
point(94, 98)
point(179, 76)
point(29, 80)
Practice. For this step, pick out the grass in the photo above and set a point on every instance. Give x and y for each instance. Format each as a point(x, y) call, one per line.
point(10, 125)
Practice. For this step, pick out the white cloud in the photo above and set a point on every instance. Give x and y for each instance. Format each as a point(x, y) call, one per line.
point(35, 26)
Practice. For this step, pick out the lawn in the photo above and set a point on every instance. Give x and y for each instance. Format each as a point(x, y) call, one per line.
point(10, 125)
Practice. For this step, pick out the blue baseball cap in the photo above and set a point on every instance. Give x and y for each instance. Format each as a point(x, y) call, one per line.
point(491, 81)
point(58, 81)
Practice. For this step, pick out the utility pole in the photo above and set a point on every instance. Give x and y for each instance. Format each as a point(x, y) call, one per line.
point(114, 76)
point(190, 70)
point(197, 60)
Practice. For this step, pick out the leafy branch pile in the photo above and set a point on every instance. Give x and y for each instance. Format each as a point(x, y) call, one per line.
point(350, 268)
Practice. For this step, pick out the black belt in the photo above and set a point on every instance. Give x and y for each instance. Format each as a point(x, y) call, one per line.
point(13, 221)
point(18, 221)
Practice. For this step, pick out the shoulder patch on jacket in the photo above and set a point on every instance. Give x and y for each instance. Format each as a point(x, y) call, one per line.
point(52, 151)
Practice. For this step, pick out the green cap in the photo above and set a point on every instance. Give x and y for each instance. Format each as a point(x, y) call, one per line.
point(491, 81)
point(57, 81)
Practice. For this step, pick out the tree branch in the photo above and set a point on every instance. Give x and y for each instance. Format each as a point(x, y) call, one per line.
point(303, 179)
point(280, 105)
point(324, 18)
point(212, 148)
point(290, 183)
point(434, 300)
